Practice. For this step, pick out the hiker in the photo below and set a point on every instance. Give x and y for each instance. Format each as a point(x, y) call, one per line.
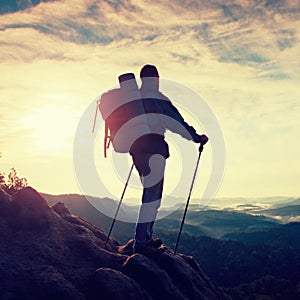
point(150, 151)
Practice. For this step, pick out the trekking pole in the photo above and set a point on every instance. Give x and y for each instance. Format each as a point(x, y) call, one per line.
point(188, 200)
point(118, 208)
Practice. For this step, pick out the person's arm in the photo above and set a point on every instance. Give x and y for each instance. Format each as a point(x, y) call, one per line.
point(185, 130)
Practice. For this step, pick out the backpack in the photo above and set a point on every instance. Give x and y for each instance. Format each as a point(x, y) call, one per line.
point(123, 111)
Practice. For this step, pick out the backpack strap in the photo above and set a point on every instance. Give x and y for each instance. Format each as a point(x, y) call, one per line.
point(107, 139)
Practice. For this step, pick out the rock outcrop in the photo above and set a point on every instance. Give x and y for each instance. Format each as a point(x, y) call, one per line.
point(48, 253)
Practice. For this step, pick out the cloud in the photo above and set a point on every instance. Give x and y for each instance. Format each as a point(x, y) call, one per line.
point(242, 58)
point(278, 218)
point(294, 219)
point(10, 134)
point(111, 21)
point(286, 39)
point(8, 6)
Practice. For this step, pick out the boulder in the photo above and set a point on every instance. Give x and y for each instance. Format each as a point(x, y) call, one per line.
point(127, 249)
point(30, 201)
point(190, 280)
point(47, 283)
point(30, 210)
point(151, 277)
point(114, 285)
point(83, 225)
point(61, 209)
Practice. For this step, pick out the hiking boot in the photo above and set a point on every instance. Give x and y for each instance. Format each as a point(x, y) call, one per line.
point(126, 249)
point(155, 243)
point(148, 251)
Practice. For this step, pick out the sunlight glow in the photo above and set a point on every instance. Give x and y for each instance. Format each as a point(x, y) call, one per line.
point(50, 127)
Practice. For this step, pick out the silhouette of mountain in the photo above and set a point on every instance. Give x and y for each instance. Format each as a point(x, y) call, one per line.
point(48, 253)
point(214, 223)
point(293, 202)
point(287, 235)
point(287, 211)
point(245, 271)
point(80, 206)
point(254, 205)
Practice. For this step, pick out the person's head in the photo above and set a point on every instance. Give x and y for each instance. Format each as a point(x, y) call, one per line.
point(150, 74)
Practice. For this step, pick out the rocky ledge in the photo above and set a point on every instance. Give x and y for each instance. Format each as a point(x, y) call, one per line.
point(48, 253)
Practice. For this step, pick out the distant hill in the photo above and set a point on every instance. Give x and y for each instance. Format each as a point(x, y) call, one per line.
point(230, 263)
point(289, 202)
point(286, 211)
point(214, 223)
point(80, 206)
point(287, 235)
point(239, 203)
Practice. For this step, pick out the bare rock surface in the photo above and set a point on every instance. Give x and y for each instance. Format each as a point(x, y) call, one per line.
point(48, 253)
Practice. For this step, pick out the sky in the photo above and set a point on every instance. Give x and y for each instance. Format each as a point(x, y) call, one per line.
point(242, 57)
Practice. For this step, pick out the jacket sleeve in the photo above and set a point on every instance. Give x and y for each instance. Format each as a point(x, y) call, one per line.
point(179, 126)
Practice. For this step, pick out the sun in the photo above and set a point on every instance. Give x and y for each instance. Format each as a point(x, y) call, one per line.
point(51, 128)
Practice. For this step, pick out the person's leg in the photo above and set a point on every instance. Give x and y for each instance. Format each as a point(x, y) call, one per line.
point(150, 204)
point(140, 161)
point(153, 193)
point(151, 173)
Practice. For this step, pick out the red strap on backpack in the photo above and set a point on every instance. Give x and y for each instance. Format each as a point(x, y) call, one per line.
point(107, 138)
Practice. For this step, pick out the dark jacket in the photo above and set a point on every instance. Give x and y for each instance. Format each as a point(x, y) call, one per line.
point(162, 115)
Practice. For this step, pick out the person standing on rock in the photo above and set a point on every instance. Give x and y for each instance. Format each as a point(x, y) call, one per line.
point(150, 151)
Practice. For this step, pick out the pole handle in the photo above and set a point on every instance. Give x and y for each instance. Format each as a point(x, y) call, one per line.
point(201, 148)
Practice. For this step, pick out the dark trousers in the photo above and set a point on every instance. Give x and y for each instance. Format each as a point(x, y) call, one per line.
point(151, 168)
